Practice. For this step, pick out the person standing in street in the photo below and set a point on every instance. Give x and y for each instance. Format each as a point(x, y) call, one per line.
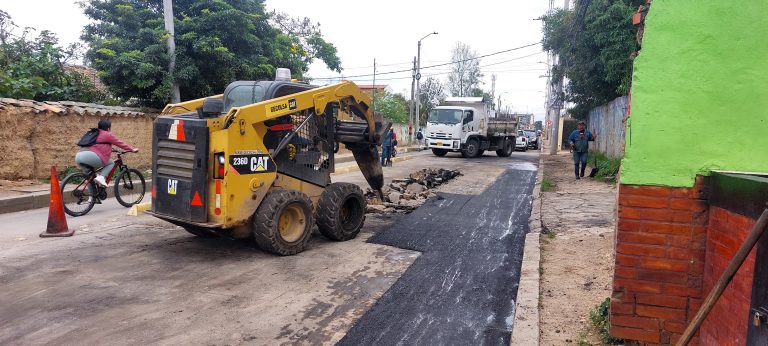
point(579, 142)
point(420, 139)
point(386, 147)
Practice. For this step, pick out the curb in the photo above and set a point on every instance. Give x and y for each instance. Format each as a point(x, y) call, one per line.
point(137, 209)
point(525, 328)
point(37, 200)
point(355, 168)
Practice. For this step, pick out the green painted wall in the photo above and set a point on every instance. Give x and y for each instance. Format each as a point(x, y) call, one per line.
point(699, 93)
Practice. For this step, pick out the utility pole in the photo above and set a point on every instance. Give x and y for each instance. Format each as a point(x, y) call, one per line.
point(168, 17)
point(493, 87)
point(558, 99)
point(412, 107)
point(373, 99)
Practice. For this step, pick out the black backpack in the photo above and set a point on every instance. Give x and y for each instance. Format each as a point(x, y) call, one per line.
point(89, 138)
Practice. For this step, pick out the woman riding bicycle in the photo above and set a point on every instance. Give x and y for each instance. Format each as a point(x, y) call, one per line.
point(98, 154)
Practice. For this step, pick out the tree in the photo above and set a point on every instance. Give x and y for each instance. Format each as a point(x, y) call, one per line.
point(309, 36)
point(34, 68)
point(432, 94)
point(217, 42)
point(465, 71)
point(594, 43)
point(487, 97)
point(393, 106)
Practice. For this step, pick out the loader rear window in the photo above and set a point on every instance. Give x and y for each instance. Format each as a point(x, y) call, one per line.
point(243, 95)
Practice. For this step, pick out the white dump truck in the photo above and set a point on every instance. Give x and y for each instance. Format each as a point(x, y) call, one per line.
point(469, 125)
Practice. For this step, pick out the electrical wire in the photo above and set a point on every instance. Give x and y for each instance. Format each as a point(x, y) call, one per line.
point(431, 66)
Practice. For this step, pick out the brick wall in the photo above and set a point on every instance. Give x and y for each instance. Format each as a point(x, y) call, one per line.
point(727, 322)
point(660, 255)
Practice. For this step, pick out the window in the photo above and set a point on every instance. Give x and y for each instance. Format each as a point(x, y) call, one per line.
point(243, 95)
point(445, 116)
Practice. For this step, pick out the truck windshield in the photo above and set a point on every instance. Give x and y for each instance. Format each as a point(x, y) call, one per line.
point(445, 116)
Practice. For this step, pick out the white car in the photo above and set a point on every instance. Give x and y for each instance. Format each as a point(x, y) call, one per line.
point(521, 141)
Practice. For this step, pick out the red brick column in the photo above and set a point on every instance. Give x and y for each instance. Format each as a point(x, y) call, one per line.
point(727, 322)
point(660, 254)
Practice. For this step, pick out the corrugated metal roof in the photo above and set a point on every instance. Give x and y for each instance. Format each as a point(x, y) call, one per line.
point(64, 107)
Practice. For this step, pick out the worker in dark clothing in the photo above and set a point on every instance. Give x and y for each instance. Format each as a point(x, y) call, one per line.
point(579, 142)
point(386, 148)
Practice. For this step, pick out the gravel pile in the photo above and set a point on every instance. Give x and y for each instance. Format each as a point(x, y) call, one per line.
point(405, 195)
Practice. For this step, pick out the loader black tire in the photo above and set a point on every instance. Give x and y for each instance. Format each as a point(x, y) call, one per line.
point(439, 152)
point(341, 211)
point(283, 222)
point(509, 147)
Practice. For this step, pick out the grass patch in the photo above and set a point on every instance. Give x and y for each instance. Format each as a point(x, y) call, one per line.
point(547, 184)
point(62, 174)
point(600, 318)
point(582, 340)
point(608, 167)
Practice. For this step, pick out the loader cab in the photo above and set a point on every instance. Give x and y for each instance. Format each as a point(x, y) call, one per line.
point(243, 93)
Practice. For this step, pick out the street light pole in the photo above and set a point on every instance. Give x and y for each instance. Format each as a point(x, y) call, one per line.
point(418, 89)
point(412, 106)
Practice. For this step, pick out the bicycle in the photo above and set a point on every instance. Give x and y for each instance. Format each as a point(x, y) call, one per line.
point(87, 193)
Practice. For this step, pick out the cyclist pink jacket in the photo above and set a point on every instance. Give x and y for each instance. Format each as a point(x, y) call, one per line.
point(105, 150)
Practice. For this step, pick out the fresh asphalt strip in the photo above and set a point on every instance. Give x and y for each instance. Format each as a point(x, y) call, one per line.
point(462, 289)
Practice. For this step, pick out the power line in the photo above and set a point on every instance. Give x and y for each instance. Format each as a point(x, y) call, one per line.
point(442, 73)
point(431, 66)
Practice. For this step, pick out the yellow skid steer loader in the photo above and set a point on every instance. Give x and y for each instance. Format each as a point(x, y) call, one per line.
point(257, 160)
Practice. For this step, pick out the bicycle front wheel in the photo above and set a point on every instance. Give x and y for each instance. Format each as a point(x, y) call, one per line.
point(79, 194)
point(130, 187)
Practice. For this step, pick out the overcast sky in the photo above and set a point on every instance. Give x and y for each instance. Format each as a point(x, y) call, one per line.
point(387, 31)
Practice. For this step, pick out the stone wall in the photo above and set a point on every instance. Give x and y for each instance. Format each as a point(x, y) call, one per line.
point(33, 139)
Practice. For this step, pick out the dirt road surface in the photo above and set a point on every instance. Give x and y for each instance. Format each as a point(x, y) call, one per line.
point(138, 280)
point(577, 257)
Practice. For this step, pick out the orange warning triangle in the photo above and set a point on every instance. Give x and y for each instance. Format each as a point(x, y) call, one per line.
point(180, 130)
point(196, 201)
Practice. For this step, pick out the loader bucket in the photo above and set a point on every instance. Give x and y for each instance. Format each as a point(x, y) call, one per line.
point(367, 158)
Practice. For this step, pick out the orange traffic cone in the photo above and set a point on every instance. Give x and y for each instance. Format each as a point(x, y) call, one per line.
point(57, 221)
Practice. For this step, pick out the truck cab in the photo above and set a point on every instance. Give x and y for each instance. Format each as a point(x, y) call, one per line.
point(468, 125)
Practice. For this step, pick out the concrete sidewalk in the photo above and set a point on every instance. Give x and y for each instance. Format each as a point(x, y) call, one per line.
point(39, 196)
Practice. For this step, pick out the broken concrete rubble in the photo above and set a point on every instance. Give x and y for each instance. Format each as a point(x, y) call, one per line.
point(408, 194)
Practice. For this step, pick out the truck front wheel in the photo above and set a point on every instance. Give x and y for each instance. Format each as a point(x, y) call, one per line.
point(341, 211)
point(283, 222)
point(439, 152)
point(472, 149)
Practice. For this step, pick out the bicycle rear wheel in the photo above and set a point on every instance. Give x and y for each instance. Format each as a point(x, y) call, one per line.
point(79, 194)
point(130, 187)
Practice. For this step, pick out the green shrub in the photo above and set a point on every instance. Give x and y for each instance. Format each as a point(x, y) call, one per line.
point(608, 167)
point(600, 318)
